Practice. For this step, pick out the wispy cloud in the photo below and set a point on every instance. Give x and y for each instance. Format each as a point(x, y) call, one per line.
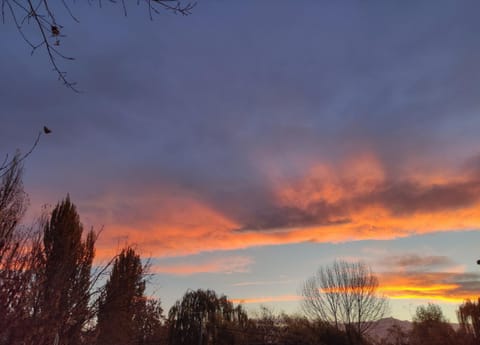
point(225, 265)
point(416, 262)
point(427, 277)
point(263, 282)
point(439, 286)
point(267, 299)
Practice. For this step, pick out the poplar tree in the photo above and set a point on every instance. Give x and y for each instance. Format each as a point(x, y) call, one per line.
point(469, 319)
point(17, 248)
point(123, 303)
point(64, 296)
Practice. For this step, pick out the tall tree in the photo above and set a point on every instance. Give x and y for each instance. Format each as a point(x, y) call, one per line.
point(152, 325)
point(469, 318)
point(13, 199)
point(201, 317)
point(64, 298)
point(123, 303)
point(18, 248)
point(344, 295)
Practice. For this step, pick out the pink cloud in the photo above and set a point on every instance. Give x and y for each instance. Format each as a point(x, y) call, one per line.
point(227, 265)
point(267, 299)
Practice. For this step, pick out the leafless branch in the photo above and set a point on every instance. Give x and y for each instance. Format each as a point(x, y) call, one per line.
point(344, 295)
point(48, 32)
point(9, 163)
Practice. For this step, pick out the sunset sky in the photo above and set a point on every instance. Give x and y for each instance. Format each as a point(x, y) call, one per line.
point(245, 145)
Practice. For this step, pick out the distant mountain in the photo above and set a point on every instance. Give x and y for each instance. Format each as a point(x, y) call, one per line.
point(380, 329)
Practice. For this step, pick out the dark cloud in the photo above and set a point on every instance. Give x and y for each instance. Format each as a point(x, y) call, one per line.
point(410, 197)
point(319, 214)
point(215, 102)
point(416, 262)
point(400, 198)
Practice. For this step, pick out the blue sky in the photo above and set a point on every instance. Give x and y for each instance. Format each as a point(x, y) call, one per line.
point(246, 144)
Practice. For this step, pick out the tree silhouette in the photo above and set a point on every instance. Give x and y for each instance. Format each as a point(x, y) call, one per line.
point(344, 295)
point(469, 318)
point(19, 264)
point(152, 329)
point(431, 327)
point(123, 303)
point(201, 317)
point(13, 200)
point(64, 296)
point(298, 330)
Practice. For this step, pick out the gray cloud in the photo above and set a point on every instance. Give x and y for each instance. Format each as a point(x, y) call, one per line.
point(400, 198)
point(416, 262)
point(202, 102)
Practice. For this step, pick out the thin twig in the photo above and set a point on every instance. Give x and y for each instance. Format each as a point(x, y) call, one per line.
point(5, 167)
point(44, 18)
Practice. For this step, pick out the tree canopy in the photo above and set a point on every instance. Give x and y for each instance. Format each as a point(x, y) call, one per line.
point(65, 275)
point(431, 327)
point(123, 307)
point(202, 317)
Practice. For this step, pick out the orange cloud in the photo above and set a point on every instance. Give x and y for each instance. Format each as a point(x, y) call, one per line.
point(353, 200)
point(237, 264)
point(266, 299)
point(263, 282)
point(439, 286)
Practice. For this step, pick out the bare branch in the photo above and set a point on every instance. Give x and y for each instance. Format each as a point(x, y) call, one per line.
point(48, 31)
point(344, 295)
point(8, 165)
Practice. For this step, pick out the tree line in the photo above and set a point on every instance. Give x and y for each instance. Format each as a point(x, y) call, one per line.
point(430, 327)
point(51, 293)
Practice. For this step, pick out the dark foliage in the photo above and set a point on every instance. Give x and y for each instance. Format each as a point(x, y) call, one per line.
point(469, 319)
point(64, 296)
point(431, 327)
point(125, 316)
point(201, 317)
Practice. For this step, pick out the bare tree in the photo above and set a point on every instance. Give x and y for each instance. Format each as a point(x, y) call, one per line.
point(19, 248)
point(47, 29)
point(13, 199)
point(18, 286)
point(344, 295)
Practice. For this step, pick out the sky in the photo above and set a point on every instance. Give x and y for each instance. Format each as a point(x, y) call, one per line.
point(244, 146)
